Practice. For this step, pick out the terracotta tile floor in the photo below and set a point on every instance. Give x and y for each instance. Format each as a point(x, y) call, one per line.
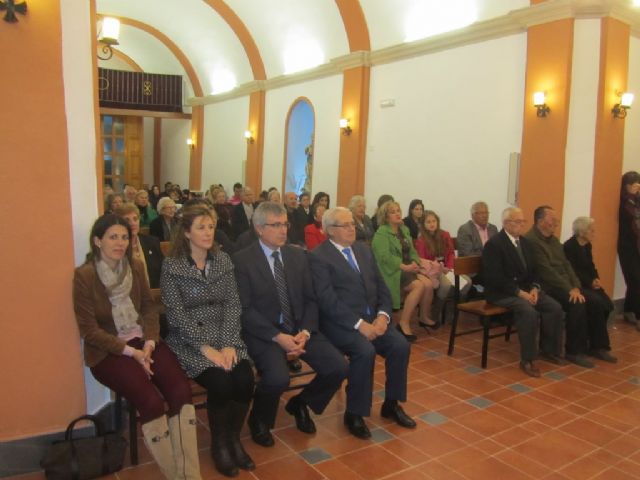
point(473, 424)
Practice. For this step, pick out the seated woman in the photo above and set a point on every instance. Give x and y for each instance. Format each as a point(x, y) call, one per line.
point(414, 218)
point(118, 322)
point(154, 196)
point(314, 234)
point(320, 198)
point(402, 269)
point(578, 252)
point(112, 201)
point(382, 199)
point(364, 227)
point(203, 312)
point(163, 226)
point(435, 245)
point(144, 248)
point(147, 213)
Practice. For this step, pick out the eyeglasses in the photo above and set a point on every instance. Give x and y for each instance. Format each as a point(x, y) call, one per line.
point(345, 225)
point(278, 225)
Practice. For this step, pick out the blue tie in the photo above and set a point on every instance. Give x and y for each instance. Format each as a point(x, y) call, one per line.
point(283, 294)
point(352, 263)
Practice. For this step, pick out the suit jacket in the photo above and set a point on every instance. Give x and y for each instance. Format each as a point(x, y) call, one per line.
point(503, 272)
point(153, 257)
point(93, 312)
point(239, 220)
point(297, 220)
point(552, 265)
point(155, 228)
point(259, 295)
point(469, 241)
point(344, 295)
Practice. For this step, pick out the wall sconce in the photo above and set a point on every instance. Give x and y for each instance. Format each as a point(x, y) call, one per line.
point(191, 144)
point(620, 109)
point(108, 36)
point(11, 8)
point(539, 99)
point(249, 136)
point(344, 126)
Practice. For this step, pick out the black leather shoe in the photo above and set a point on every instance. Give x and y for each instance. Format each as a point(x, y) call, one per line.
point(410, 337)
point(552, 358)
point(603, 355)
point(260, 432)
point(296, 407)
point(295, 365)
point(530, 369)
point(580, 360)
point(356, 425)
point(397, 414)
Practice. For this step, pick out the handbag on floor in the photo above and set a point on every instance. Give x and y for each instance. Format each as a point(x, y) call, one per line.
point(84, 458)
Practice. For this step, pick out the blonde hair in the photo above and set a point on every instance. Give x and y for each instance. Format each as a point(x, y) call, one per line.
point(381, 215)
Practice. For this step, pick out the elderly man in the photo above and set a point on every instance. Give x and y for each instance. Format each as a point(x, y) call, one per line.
point(586, 322)
point(242, 213)
point(474, 234)
point(280, 318)
point(295, 234)
point(510, 281)
point(355, 310)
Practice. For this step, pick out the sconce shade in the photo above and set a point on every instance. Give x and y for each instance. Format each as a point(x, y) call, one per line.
point(110, 31)
point(190, 142)
point(249, 136)
point(538, 98)
point(626, 100)
point(619, 110)
point(344, 123)
point(539, 101)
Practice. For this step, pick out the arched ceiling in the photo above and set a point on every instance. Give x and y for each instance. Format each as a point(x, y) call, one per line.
point(233, 42)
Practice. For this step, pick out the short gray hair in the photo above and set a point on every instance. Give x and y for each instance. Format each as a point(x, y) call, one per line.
point(165, 202)
point(507, 212)
point(355, 201)
point(329, 217)
point(267, 208)
point(581, 225)
point(475, 206)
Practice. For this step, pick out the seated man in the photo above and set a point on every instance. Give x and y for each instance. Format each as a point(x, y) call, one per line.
point(355, 310)
point(510, 281)
point(243, 212)
point(474, 234)
point(586, 322)
point(297, 223)
point(280, 317)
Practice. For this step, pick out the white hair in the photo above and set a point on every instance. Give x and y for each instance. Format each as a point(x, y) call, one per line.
point(508, 212)
point(329, 217)
point(581, 225)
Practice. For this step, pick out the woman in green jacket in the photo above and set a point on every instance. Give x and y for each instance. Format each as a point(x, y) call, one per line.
point(402, 268)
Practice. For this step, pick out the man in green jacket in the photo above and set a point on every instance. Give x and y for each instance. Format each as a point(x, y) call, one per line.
point(586, 322)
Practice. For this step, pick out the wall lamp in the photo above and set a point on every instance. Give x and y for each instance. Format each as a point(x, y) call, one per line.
point(11, 7)
point(249, 136)
point(539, 101)
point(620, 109)
point(108, 37)
point(191, 144)
point(344, 126)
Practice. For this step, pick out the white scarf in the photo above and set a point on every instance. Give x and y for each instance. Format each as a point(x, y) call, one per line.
point(118, 285)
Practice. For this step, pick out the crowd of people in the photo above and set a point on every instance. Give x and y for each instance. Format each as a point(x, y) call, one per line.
point(260, 283)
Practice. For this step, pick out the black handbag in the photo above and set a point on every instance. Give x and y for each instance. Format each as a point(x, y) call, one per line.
point(84, 458)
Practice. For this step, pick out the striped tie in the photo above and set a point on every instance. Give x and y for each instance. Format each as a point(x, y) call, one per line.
point(283, 296)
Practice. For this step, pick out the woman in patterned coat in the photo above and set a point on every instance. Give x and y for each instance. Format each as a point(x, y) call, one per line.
point(203, 312)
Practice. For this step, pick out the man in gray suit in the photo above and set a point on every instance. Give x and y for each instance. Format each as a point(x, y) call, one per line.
point(476, 232)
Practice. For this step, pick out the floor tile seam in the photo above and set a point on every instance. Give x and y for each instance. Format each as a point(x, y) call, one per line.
point(623, 432)
point(592, 421)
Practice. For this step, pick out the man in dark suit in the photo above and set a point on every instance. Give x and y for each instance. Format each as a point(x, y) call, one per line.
point(296, 221)
point(474, 234)
point(355, 311)
point(280, 317)
point(510, 281)
point(242, 213)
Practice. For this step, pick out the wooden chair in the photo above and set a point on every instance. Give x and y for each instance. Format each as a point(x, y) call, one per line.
point(491, 316)
point(198, 393)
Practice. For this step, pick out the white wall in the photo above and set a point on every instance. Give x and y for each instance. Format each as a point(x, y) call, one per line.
point(583, 106)
point(631, 136)
point(175, 152)
point(225, 148)
point(325, 96)
point(78, 88)
point(457, 116)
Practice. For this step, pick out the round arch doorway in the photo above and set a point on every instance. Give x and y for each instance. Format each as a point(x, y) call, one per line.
point(300, 133)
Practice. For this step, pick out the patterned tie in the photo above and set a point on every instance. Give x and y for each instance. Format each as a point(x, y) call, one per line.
point(283, 296)
point(352, 263)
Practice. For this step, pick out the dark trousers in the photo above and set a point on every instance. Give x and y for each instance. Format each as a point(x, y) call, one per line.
point(598, 307)
point(223, 387)
point(125, 376)
point(362, 354)
point(630, 265)
point(271, 362)
point(545, 316)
